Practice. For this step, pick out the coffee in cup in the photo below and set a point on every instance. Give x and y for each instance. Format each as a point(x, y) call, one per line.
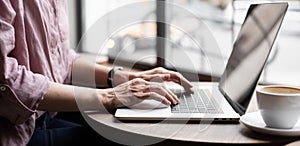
point(279, 105)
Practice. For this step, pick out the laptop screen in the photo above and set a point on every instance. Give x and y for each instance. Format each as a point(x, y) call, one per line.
point(251, 50)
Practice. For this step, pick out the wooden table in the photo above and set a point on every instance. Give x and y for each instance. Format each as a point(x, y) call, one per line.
point(178, 133)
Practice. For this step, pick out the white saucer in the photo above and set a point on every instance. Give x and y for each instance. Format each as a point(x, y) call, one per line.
point(255, 122)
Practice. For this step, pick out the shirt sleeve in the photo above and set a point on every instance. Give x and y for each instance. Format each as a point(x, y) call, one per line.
point(72, 56)
point(20, 89)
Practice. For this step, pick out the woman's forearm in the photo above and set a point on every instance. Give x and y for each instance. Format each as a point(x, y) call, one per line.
point(88, 73)
point(62, 97)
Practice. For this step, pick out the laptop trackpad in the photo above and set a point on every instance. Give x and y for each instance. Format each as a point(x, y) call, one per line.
point(147, 108)
point(149, 104)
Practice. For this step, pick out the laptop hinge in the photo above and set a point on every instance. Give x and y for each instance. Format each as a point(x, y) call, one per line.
point(236, 106)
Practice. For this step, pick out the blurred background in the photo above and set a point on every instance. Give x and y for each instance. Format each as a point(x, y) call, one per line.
point(138, 44)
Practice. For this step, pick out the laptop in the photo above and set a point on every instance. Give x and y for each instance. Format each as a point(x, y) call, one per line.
point(222, 101)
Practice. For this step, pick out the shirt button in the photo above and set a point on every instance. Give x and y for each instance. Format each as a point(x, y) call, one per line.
point(52, 10)
point(53, 50)
point(2, 88)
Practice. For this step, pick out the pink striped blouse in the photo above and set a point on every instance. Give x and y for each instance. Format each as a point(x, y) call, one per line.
point(34, 50)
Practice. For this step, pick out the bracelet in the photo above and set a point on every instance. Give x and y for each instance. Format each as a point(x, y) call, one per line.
point(111, 74)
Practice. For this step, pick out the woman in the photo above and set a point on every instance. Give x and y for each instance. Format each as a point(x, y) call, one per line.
point(35, 75)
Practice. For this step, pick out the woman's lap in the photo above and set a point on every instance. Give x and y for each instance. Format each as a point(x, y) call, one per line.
point(56, 132)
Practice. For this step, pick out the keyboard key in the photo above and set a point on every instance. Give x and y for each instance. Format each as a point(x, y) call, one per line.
point(184, 111)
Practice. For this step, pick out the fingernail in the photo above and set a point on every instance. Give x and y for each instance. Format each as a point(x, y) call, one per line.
point(175, 102)
point(191, 89)
point(168, 102)
point(167, 76)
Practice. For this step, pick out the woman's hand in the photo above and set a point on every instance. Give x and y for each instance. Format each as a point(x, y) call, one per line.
point(137, 90)
point(154, 75)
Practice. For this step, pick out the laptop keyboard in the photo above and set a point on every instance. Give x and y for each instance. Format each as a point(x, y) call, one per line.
point(198, 102)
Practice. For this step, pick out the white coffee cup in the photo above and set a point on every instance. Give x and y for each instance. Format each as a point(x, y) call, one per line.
point(279, 105)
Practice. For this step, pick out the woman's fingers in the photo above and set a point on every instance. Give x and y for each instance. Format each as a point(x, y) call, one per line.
point(170, 92)
point(161, 74)
point(174, 77)
point(140, 88)
point(178, 78)
point(160, 98)
point(156, 77)
point(137, 90)
point(154, 87)
point(161, 90)
point(151, 95)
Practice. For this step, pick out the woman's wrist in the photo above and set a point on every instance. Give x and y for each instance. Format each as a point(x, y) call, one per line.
point(111, 76)
point(107, 98)
point(123, 76)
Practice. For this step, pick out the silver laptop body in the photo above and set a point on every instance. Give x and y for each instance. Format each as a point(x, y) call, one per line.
point(221, 101)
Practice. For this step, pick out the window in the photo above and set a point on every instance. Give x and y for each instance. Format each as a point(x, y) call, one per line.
point(187, 41)
point(199, 36)
point(130, 27)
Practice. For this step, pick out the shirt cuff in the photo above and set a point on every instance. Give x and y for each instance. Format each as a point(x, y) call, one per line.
point(13, 109)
